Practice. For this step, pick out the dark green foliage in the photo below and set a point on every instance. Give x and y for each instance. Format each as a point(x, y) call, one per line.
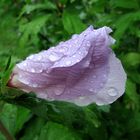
point(29, 26)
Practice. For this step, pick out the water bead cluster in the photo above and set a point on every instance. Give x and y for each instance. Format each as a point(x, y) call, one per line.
point(81, 70)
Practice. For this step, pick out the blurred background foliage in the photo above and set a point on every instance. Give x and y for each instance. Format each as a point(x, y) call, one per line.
point(29, 26)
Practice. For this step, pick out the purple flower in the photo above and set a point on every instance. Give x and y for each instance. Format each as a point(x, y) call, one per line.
point(81, 70)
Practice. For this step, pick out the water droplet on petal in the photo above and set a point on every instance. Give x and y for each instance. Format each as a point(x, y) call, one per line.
point(62, 50)
point(86, 63)
point(91, 81)
point(51, 99)
point(26, 82)
point(100, 103)
point(31, 57)
point(91, 89)
point(20, 76)
point(81, 97)
point(88, 43)
point(68, 62)
point(34, 85)
point(58, 92)
point(53, 57)
point(25, 64)
point(109, 79)
point(94, 76)
point(32, 70)
point(104, 75)
point(40, 70)
point(85, 34)
point(59, 89)
point(79, 53)
point(112, 91)
point(43, 95)
point(39, 58)
point(61, 42)
point(74, 36)
point(101, 84)
point(78, 60)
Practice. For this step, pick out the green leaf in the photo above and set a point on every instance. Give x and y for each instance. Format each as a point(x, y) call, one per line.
point(92, 117)
point(72, 22)
point(134, 123)
point(2, 137)
point(8, 63)
point(125, 22)
point(27, 9)
point(22, 116)
point(104, 108)
point(131, 59)
point(63, 1)
point(132, 4)
point(55, 131)
point(7, 116)
point(5, 76)
point(71, 115)
point(14, 117)
point(131, 91)
point(33, 129)
point(32, 28)
point(135, 76)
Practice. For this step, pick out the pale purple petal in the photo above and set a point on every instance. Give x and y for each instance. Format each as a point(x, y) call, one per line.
point(81, 70)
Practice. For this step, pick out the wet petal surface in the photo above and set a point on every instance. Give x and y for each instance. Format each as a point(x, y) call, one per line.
point(81, 70)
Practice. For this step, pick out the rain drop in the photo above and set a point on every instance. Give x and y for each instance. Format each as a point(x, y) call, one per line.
point(34, 85)
point(61, 42)
point(104, 75)
point(62, 50)
point(40, 70)
point(91, 89)
point(58, 92)
point(100, 103)
point(26, 82)
point(74, 36)
point(25, 64)
point(68, 62)
point(78, 60)
point(39, 58)
point(88, 43)
point(94, 76)
point(32, 70)
point(112, 91)
point(79, 53)
point(43, 95)
point(20, 76)
point(53, 57)
point(91, 81)
point(81, 97)
point(51, 99)
point(31, 57)
point(85, 34)
point(86, 63)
